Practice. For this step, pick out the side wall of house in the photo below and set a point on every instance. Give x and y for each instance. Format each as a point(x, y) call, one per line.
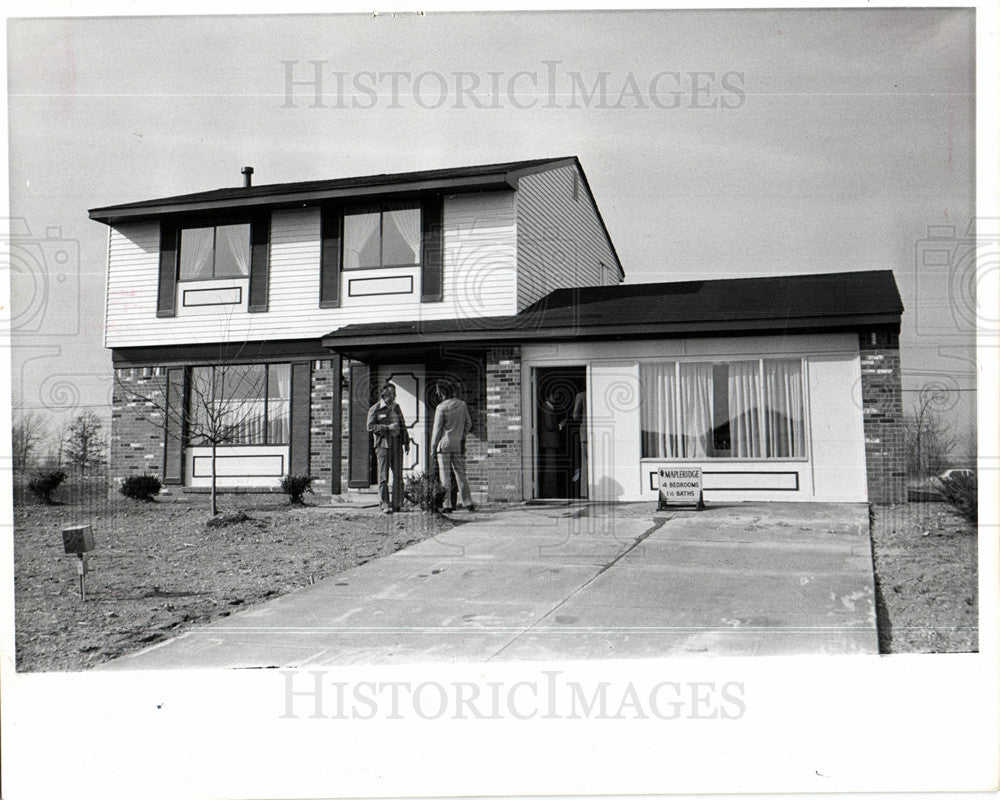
point(478, 266)
point(503, 465)
point(561, 242)
point(882, 403)
point(137, 432)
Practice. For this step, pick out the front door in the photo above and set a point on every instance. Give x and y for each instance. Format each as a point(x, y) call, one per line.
point(410, 391)
point(560, 432)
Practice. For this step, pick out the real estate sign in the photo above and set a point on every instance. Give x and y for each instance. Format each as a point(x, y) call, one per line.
point(680, 486)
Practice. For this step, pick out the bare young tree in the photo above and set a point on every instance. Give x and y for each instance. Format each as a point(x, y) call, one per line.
point(29, 431)
point(928, 436)
point(225, 406)
point(85, 445)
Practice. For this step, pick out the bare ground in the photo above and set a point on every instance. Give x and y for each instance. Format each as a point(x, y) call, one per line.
point(926, 579)
point(158, 569)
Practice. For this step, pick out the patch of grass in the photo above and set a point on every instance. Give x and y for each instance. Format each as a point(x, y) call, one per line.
point(157, 570)
point(925, 557)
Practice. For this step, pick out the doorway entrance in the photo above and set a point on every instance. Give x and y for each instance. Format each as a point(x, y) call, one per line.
point(560, 427)
point(409, 382)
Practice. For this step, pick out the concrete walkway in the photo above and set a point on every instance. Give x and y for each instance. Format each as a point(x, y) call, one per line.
point(572, 582)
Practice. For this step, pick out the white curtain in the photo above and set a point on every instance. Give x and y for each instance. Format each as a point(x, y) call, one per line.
point(232, 251)
point(361, 240)
point(783, 401)
point(746, 427)
point(196, 253)
point(696, 409)
point(660, 411)
point(401, 235)
point(279, 385)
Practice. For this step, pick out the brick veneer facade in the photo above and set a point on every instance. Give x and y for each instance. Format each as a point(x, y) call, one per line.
point(321, 429)
point(503, 423)
point(137, 433)
point(882, 405)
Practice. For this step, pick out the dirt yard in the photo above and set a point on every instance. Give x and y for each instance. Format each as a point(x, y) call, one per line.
point(926, 579)
point(158, 568)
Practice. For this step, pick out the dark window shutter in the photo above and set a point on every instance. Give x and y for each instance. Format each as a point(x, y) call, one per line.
point(260, 234)
point(173, 440)
point(359, 467)
point(300, 424)
point(331, 223)
point(166, 298)
point(432, 259)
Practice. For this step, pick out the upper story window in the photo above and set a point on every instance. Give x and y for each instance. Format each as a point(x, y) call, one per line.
point(215, 251)
point(386, 235)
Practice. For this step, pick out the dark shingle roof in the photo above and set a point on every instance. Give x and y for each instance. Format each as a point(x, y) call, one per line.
point(231, 197)
point(787, 302)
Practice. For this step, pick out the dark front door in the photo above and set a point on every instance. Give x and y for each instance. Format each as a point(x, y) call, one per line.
point(560, 432)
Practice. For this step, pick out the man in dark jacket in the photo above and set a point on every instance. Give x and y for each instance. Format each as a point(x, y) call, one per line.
point(385, 421)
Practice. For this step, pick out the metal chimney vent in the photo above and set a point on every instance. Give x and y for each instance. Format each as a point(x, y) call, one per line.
point(247, 175)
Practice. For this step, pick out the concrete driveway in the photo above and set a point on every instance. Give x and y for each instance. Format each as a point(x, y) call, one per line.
point(572, 582)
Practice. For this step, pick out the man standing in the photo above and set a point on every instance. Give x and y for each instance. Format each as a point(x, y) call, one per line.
point(385, 420)
point(452, 424)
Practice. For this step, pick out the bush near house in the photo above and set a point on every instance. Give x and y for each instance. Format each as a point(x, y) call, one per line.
point(295, 486)
point(141, 487)
point(43, 484)
point(424, 491)
point(962, 491)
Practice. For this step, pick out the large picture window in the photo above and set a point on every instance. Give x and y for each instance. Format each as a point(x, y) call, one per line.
point(382, 236)
point(240, 404)
point(215, 251)
point(738, 409)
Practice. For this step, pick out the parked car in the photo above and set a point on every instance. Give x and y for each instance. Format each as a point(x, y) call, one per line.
point(929, 489)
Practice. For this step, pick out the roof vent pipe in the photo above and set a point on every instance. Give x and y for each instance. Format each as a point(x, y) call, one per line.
point(247, 174)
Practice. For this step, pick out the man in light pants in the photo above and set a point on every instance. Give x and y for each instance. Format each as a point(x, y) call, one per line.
point(452, 424)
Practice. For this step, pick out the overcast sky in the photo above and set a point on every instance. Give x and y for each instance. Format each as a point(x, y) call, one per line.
point(806, 141)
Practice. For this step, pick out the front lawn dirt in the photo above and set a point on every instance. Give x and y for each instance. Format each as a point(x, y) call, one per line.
point(926, 579)
point(159, 569)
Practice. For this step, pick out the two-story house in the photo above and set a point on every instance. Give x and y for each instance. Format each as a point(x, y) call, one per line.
point(295, 302)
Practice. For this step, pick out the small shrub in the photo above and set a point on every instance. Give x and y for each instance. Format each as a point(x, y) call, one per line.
point(43, 484)
point(424, 491)
point(141, 487)
point(295, 486)
point(962, 491)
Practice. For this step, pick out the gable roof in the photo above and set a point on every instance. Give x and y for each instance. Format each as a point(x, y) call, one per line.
point(773, 303)
point(478, 177)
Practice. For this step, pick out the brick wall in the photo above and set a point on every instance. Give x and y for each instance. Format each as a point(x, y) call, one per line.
point(882, 403)
point(137, 433)
point(322, 390)
point(503, 466)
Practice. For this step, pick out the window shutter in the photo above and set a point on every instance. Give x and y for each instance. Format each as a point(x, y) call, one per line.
point(260, 233)
point(359, 466)
point(432, 259)
point(331, 223)
point(298, 460)
point(173, 440)
point(166, 298)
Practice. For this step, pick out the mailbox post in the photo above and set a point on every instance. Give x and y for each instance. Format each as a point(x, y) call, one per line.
point(79, 540)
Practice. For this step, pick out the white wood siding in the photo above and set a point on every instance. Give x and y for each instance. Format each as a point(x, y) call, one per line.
point(479, 264)
point(560, 240)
